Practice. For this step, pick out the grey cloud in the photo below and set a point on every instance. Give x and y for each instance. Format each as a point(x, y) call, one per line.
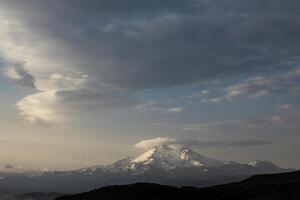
point(19, 75)
point(286, 119)
point(51, 108)
point(137, 44)
point(229, 143)
point(165, 107)
point(147, 144)
point(258, 86)
point(108, 98)
point(264, 85)
point(237, 124)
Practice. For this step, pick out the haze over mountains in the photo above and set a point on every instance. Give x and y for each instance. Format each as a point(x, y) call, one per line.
point(168, 164)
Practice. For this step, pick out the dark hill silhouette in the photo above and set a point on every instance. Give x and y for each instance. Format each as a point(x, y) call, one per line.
point(38, 196)
point(260, 187)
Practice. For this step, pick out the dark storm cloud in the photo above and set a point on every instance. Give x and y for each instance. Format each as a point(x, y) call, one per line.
point(162, 43)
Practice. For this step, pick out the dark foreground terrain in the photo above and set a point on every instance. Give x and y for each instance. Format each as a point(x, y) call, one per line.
point(284, 186)
point(38, 196)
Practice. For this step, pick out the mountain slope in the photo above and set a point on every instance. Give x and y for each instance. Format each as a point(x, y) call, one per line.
point(166, 164)
point(173, 157)
point(38, 196)
point(261, 187)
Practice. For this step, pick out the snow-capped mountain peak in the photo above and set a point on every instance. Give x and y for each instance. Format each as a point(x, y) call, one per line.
point(172, 156)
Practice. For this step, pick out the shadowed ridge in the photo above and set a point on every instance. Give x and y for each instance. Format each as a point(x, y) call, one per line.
point(145, 191)
point(261, 187)
point(285, 177)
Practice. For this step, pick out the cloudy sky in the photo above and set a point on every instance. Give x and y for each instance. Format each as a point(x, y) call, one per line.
point(85, 82)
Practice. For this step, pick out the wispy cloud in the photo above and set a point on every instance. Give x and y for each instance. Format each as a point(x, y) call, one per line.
point(147, 144)
point(159, 106)
point(202, 93)
point(287, 117)
point(259, 86)
point(256, 87)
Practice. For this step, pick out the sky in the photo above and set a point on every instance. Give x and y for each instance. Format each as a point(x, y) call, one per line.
point(87, 82)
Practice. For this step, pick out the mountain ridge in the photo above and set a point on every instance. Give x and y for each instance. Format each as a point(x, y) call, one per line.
point(259, 187)
point(167, 165)
point(172, 157)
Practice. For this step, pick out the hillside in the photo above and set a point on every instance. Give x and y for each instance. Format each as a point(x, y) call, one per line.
point(260, 187)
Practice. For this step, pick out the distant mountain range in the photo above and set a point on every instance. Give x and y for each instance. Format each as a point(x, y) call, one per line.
point(176, 157)
point(174, 165)
point(285, 186)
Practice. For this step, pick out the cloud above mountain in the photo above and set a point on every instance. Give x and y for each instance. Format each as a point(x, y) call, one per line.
point(112, 49)
point(260, 86)
point(148, 144)
point(284, 120)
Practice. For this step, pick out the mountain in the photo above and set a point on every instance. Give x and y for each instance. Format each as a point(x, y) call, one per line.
point(38, 196)
point(170, 157)
point(176, 157)
point(162, 157)
point(260, 187)
point(174, 165)
point(265, 165)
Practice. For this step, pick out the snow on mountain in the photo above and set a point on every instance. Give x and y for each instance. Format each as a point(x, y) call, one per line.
point(264, 165)
point(171, 157)
point(174, 156)
point(171, 164)
point(120, 165)
point(91, 170)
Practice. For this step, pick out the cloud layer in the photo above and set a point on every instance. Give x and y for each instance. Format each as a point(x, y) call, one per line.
point(284, 122)
point(82, 50)
point(259, 86)
point(148, 144)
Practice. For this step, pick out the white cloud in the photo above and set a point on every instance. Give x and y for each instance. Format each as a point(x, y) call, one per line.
point(158, 106)
point(203, 93)
point(148, 144)
point(285, 107)
point(41, 108)
point(62, 88)
point(175, 110)
point(149, 105)
point(275, 118)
